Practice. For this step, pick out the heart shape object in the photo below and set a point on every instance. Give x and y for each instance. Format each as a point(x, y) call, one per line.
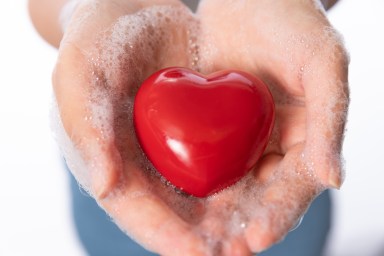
point(203, 133)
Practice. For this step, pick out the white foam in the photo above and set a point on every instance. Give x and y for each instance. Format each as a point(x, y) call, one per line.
point(72, 156)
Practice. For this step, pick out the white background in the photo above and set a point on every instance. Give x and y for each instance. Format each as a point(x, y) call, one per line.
point(34, 203)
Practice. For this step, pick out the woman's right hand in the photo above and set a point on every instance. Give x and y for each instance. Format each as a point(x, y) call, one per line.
point(108, 49)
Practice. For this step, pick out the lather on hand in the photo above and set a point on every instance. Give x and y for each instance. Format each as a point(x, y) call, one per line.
point(110, 47)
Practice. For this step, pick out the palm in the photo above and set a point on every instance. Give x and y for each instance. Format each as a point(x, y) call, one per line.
point(117, 174)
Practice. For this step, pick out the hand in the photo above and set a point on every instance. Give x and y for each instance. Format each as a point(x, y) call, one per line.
point(108, 49)
point(292, 47)
point(111, 46)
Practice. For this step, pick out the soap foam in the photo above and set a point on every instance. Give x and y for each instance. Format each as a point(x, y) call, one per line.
point(72, 155)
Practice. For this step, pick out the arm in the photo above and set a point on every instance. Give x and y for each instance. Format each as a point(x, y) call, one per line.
point(45, 18)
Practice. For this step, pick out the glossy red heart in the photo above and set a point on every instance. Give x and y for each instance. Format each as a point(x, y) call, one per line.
point(203, 133)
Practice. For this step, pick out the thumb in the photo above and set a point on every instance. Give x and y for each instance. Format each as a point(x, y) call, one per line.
point(327, 99)
point(89, 149)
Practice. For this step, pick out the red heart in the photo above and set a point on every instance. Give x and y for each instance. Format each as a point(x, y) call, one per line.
point(203, 133)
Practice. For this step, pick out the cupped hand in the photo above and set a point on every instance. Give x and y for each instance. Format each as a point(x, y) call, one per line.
point(110, 47)
point(294, 49)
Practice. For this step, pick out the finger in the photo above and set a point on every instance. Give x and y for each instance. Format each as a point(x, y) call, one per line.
point(90, 18)
point(236, 246)
point(89, 148)
point(222, 225)
point(286, 192)
point(99, 164)
point(148, 219)
point(326, 95)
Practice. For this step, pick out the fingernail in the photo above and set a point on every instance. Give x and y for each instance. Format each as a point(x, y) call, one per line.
point(103, 183)
point(99, 190)
point(334, 179)
point(105, 175)
point(259, 237)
